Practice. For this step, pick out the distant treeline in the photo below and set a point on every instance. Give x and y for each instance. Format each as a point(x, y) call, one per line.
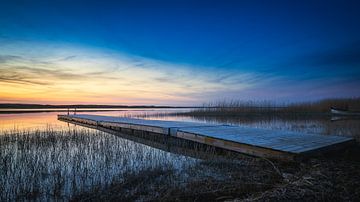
point(41, 106)
point(235, 107)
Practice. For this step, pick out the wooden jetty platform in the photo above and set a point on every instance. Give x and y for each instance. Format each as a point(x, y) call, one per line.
point(283, 145)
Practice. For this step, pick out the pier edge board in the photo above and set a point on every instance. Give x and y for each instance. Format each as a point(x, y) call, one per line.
point(243, 148)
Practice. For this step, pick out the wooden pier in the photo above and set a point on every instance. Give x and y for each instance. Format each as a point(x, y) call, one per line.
point(283, 145)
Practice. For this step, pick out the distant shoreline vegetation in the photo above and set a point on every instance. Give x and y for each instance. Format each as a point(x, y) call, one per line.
point(44, 106)
point(38, 108)
point(226, 107)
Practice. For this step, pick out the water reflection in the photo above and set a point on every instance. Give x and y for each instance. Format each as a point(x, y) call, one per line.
point(41, 120)
point(306, 124)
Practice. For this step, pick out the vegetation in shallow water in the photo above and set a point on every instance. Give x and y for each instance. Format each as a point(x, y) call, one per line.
point(90, 165)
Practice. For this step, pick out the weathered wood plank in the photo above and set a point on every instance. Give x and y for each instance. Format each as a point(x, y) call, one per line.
point(277, 140)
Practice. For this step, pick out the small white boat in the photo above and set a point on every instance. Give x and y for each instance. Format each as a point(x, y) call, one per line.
point(344, 112)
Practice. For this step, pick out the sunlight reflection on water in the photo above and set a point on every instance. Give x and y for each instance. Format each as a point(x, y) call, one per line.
point(41, 120)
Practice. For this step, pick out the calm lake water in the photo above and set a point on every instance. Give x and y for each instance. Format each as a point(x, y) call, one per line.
point(46, 159)
point(41, 120)
point(61, 160)
point(319, 125)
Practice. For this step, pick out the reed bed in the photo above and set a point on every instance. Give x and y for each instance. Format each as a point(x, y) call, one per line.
point(85, 164)
point(56, 165)
point(310, 117)
point(323, 106)
point(89, 165)
point(239, 107)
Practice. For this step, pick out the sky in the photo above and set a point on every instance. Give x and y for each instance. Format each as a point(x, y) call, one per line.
point(178, 52)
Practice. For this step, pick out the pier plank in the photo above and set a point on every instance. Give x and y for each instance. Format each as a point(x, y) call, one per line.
point(278, 140)
point(252, 141)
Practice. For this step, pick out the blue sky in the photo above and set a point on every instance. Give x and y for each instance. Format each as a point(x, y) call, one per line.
point(190, 51)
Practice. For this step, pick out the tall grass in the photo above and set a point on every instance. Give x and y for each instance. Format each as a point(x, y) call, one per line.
point(323, 106)
point(238, 107)
point(82, 164)
point(89, 165)
point(308, 117)
point(56, 165)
